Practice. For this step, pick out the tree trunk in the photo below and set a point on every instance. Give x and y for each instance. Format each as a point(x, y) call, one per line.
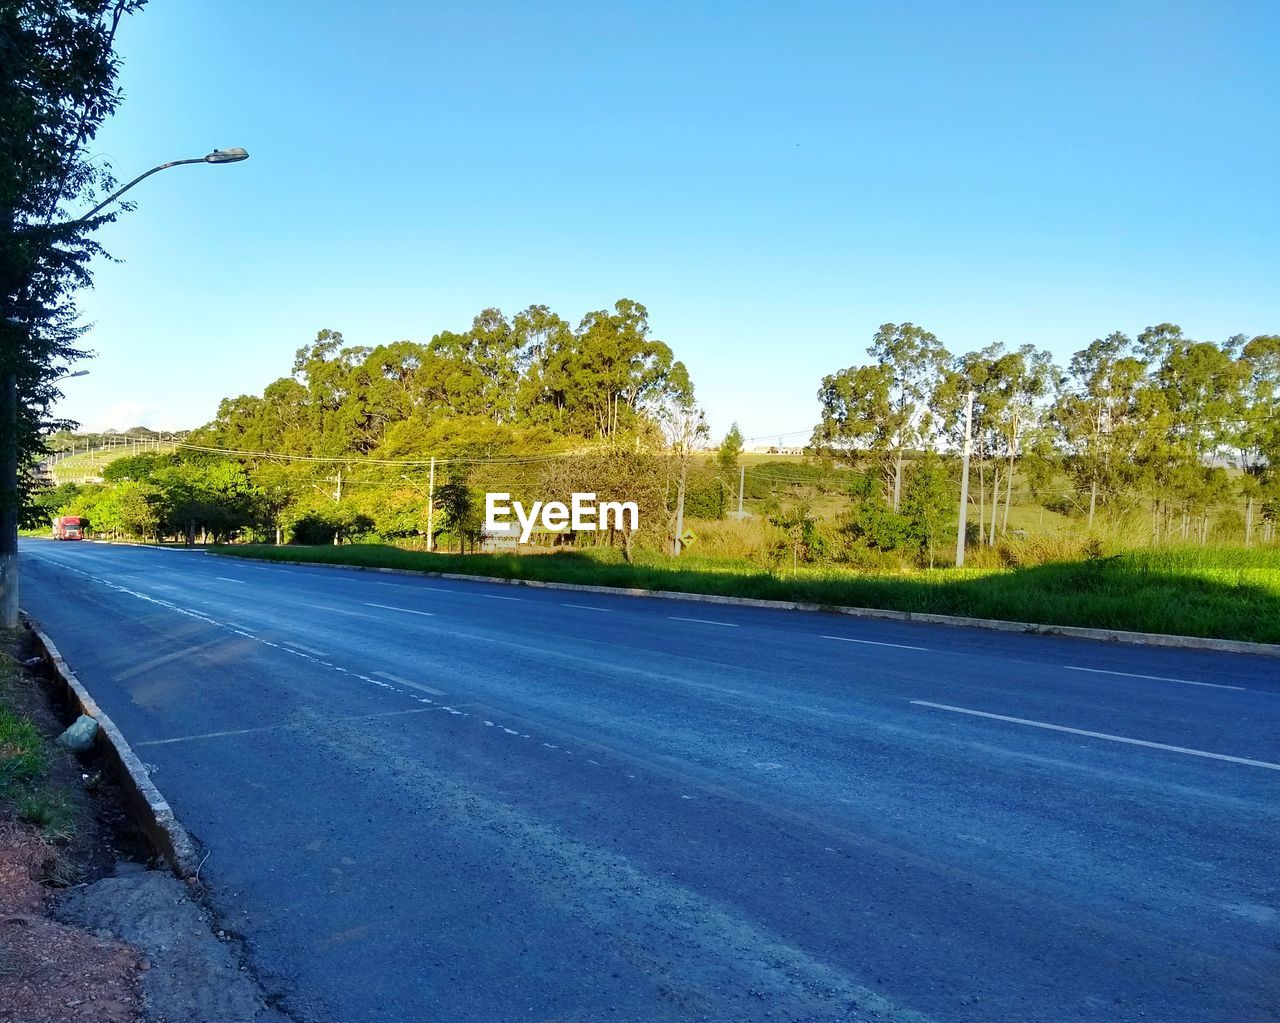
point(1093, 499)
point(1008, 497)
point(1248, 521)
point(982, 503)
point(897, 481)
point(995, 503)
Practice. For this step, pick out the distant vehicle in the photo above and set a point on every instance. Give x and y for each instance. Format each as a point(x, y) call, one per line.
point(69, 527)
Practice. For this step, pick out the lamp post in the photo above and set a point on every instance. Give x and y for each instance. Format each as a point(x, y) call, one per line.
point(10, 490)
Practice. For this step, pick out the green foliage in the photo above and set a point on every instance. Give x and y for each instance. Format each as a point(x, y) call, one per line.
point(728, 452)
point(504, 385)
point(23, 755)
point(50, 810)
point(57, 87)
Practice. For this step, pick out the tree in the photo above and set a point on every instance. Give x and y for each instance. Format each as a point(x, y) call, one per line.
point(1097, 416)
point(727, 455)
point(685, 427)
point(460, 512)
point(885, 408)
point(929, 503)
point(57, 87)
point(1258, 436)
point(800, 531)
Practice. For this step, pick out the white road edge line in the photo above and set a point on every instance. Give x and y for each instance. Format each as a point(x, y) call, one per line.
point(872, 642)
point(588, 607)
point(1154, 678)
point(403, 610)
point(702, 621)
point(1101, 735)
point(412, 685)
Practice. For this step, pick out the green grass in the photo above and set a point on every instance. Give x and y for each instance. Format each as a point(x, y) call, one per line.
point(1226, 593)
point(25, 759)
point(23, 755)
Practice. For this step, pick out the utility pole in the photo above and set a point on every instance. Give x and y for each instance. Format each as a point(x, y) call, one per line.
point(964, 480)
point(431, 506)
point(742, 479)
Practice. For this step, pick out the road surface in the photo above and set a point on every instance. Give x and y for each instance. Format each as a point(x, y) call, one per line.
point(441, 800)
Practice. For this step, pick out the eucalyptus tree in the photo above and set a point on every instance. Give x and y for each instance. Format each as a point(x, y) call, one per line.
point(610, 372)
point(1258, 436)
point(884, 408)
point(1193, 404)
point(1097, 416)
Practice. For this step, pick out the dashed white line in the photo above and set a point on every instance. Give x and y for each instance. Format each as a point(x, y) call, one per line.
point(307, 649)
point(497, 596)
point(1154, 678)
point(873, 642)
point(403, 610)
point(412, 685)
point(588, 607)
point(702, 621)
point(1101, 735)
point(224, 579)
point(338, 610)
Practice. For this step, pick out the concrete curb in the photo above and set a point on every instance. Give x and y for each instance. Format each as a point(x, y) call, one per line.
point(1230, 646)
point(149, 807)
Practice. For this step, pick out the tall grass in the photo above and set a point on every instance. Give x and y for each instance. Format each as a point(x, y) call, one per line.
point(1225, 593)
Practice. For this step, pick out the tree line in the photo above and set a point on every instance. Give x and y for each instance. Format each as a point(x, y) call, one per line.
point(1186, 429)
point(353, 443)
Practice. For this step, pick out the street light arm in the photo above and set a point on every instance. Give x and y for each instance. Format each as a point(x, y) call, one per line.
point(120, 191)
point(234, 155)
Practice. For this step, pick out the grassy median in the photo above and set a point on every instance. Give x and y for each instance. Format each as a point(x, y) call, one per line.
point(1225, 593)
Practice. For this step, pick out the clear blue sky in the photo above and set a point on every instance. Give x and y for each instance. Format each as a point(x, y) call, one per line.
point(772, 180)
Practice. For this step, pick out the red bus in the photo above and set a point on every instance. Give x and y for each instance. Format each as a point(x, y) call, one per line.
point(69, 527)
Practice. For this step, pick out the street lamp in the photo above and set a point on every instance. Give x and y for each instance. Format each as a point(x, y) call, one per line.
point(233, 155)
point(10, 491)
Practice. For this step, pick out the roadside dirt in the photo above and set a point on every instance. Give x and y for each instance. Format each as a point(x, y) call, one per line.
point(52, 972)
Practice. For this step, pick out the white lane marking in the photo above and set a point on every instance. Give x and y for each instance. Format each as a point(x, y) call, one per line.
point(496, 596)
point(404, 610)
point(238, 627)
point(281, 728)
point(872, 642)
point(298, 653)
point(338, 610)
point(412, 685)
point(1154, 678)
point(1102, 735)
point(310, 650)
point(157, 662)
point(587, 607)
point(223, 578)
point(702, 621)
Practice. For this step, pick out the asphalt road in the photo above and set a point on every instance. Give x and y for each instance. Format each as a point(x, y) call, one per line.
point(438, 800)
